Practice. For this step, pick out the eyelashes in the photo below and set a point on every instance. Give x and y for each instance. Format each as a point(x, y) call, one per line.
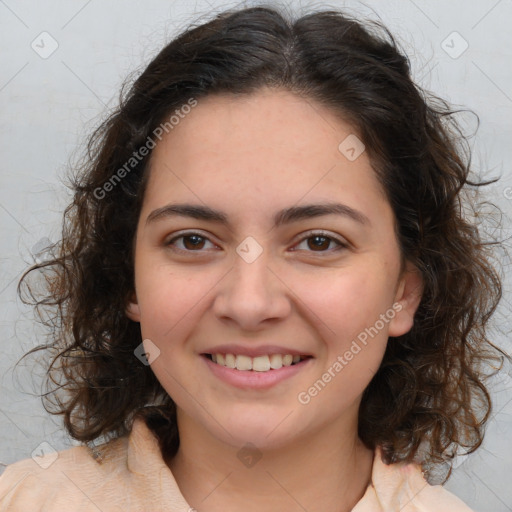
point(322, 237)
point(187, 236)
point(194, 242)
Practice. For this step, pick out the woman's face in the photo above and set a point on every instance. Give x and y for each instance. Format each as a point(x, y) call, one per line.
point(238, 260)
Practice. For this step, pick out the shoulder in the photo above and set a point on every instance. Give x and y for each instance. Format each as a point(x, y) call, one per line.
point(60, 480)
point(402, 487)
point(126, 474)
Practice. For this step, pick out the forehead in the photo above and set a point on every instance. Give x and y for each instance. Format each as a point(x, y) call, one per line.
point(259, 152)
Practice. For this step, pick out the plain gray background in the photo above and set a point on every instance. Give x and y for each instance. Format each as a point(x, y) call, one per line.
point(50, 102)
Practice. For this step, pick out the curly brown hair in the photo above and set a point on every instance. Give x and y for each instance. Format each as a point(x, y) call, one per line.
point(429, 394)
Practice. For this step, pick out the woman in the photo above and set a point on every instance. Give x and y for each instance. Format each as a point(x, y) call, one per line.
point(267, 297)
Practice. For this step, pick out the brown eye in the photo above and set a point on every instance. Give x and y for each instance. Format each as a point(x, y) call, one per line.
point(321, 242)
point(193, 242)
point(188, 242)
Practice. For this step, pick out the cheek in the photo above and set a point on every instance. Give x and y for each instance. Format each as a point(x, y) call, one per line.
point(167, 300)
point(347, 302)
point(170, 302)
point(348, 314)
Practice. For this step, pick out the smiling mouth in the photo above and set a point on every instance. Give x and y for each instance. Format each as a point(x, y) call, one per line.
point(263, 363)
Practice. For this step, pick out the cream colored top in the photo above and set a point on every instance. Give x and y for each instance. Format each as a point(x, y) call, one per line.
point(134, 477)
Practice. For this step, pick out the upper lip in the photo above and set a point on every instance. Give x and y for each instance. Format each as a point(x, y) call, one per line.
point(260, 350)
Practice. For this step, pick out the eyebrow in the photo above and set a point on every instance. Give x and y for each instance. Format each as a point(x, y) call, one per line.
point(285, 216)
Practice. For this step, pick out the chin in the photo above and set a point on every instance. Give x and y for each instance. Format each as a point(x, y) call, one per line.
point(265, 428)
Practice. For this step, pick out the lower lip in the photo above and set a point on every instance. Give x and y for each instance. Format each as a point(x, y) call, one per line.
point(250, 379)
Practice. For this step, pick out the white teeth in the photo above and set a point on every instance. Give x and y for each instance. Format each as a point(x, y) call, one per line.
point(243, 362)
point(261, 364)
point(258, 364)
point(276, 361)
point(230, 361)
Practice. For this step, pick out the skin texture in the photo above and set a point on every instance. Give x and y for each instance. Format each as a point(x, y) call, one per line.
point(250, 157)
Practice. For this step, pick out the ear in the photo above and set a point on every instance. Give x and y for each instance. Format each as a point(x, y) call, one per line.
point(132, 309)
point(407, 300)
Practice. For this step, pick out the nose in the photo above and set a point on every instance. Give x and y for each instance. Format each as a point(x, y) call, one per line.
point(252, 294)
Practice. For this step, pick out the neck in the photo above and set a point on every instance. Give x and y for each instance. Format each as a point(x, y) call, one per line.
point(328, 471)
